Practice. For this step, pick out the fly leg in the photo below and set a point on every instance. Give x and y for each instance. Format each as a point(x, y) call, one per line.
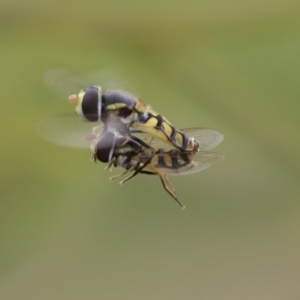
point(97, 128)
point(110, 164)
point(112, 149)
point(94, 134)
point(138, 170)
point(143, 143)
point(122, 174)
point(169, 189)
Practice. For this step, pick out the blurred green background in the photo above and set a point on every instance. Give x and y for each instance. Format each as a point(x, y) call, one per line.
point(68, 233)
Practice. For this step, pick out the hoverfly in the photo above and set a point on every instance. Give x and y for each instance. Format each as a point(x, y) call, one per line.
point(139, 153)
point(119, 108)
point(138, 139)
point(139, 156)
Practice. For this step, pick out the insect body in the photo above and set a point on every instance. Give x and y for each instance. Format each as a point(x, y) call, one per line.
point(134, 155)
point(135, 138)
point(118, 108)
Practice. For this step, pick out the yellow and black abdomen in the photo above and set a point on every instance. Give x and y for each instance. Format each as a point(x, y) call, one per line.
point(172, 162)
point(158, 126)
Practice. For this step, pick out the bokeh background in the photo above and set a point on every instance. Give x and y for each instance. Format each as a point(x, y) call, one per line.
point(68, 233)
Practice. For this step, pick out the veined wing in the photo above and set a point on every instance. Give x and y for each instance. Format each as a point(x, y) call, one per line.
point(207, 137)
point(182, 163)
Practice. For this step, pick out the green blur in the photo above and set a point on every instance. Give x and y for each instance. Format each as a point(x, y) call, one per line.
point(68, 233)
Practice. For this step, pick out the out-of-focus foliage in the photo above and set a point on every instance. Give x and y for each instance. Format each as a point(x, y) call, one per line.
point(68, 233)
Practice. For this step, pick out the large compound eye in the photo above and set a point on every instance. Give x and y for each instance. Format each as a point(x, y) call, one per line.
point(104, 146)
point(89, 104)
point(107, 143)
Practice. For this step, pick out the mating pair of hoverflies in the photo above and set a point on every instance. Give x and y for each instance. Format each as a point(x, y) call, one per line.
point(136, 138)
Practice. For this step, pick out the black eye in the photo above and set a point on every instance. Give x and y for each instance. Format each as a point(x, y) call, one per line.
point(103, 147)
point(105, 144)
point(90, 104)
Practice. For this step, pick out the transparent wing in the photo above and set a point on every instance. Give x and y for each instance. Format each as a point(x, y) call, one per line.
point(207, 137)
point(182, 163)
point(65, 131)
point(70, 132)
point(202, 160)
point(66, 83)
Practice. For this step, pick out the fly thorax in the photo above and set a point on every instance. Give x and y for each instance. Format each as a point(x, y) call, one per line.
point(121, 160)
point(124, 161)
point(117, 100)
